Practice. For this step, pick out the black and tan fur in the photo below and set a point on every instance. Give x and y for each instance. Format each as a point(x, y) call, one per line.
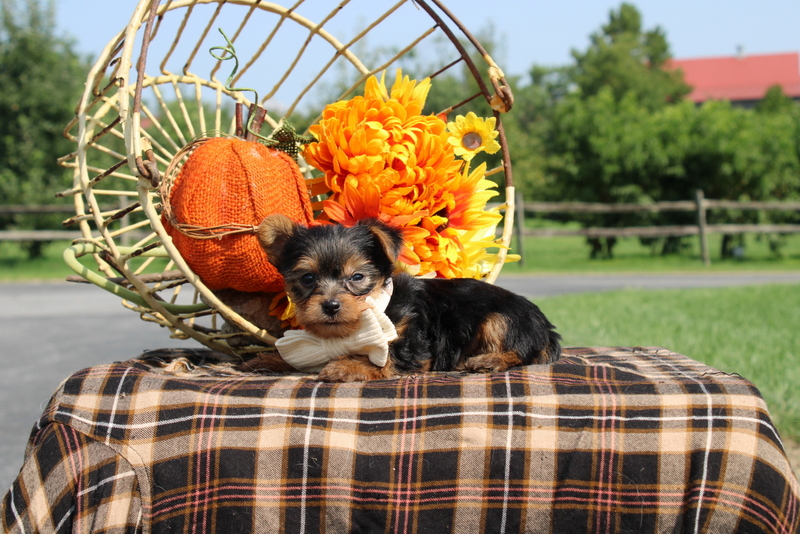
point(442, 324)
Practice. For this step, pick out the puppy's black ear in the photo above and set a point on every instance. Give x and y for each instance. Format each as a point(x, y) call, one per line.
point(273, 233)
point(390, 238)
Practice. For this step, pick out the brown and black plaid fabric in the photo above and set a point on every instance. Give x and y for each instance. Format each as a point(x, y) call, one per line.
point(605, 440)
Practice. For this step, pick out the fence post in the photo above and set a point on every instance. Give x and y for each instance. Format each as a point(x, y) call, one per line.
point(519, 215)
point(699, 198)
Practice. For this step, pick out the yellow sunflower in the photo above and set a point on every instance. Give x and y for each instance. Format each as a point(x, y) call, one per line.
point(472, 134)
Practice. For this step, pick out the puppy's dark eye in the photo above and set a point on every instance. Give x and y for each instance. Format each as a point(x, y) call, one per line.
point(308, 279)
point(358, 284)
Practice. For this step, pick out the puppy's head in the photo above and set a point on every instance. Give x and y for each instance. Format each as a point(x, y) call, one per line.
point(330, 270)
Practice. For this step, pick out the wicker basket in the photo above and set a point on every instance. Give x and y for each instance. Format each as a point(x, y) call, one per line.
point(144, 103)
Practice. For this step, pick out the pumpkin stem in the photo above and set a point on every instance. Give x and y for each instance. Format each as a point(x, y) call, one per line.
point(257, 116)
point(239, 132)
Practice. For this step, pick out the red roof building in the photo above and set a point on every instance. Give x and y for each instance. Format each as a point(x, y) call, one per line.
point(740, 79)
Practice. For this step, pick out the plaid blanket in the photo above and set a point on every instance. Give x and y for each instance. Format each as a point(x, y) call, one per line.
point(605, 440)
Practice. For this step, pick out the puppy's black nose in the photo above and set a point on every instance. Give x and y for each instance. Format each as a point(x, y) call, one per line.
point(331, 307)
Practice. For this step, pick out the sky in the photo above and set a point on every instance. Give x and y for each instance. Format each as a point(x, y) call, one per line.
point(539, 32)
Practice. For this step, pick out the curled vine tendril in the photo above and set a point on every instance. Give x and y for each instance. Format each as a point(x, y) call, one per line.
point(229, 52)
point(284, 137)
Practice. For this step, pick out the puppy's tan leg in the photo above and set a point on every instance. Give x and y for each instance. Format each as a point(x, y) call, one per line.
point(354, 368)
point(493, 362)
point(488, 347)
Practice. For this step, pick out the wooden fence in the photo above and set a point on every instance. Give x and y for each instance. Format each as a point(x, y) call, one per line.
point(39, 235)
point(700, 206)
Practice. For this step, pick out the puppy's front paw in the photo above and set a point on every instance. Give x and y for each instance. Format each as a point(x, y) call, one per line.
point(492, 362)
point(340, 371)
point(353, 369)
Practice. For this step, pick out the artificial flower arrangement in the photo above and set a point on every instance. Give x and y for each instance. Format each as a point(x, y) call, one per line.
point(382, 158)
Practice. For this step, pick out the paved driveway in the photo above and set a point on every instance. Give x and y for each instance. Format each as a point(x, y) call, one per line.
point(48, 331)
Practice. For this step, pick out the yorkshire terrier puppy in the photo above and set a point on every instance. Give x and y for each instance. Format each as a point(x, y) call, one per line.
point(441, 324)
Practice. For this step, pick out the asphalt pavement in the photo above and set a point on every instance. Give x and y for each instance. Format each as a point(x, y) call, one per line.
point(48, 331)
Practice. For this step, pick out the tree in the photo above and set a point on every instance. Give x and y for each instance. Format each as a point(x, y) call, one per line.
point(604, 150)
point(744, 154)
point(614, 127)
point(627, 59)
point(775, 101)
point(602, 138)
point(529, 124)
point(42, 79)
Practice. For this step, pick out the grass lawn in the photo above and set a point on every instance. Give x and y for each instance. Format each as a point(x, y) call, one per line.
point(16, 267)
point(752, 331)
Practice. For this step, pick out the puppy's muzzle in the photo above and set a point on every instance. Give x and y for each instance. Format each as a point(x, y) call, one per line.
point(331, 307)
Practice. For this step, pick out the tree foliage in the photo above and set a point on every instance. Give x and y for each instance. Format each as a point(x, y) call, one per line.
point(611, 126)
point(627, 59)
point(42, 78)
point(614, 127)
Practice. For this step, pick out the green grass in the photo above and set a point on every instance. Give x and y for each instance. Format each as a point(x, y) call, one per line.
point(16, 267)
point(752, 331)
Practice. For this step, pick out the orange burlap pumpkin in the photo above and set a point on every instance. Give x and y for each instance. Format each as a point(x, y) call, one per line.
point(229, 181)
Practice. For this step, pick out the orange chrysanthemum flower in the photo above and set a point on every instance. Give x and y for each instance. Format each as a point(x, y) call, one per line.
point(381, 158)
